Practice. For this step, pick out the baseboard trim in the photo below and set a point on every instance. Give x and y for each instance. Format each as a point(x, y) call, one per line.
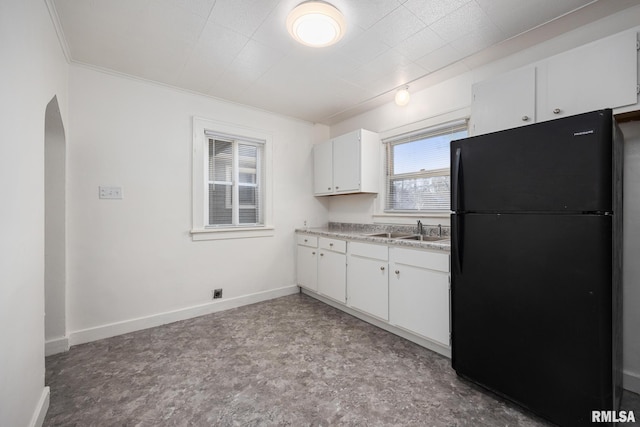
point(55, 346)
point(433, 346)
point(126, 326)
point(631, 381)
point(41, 410)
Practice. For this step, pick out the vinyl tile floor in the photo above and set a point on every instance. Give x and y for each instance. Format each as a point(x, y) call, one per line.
point(291, 361)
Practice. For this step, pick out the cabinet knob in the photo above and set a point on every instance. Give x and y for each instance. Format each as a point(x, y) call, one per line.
point(525, 118)
point(381, 268)
point(313, 253)
point(337, 187)
point(321, 254)
point(557, 111)
point(305, 240)
point(330, 244)
point(397, 271)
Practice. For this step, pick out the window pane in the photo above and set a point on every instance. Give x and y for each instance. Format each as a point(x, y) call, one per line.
point(424, 154)
point(235, 169)
point(417, 177)
point(249, 216)
point(220, 199)
point(248, 176)
point(248, 196)
point(420, 193)
point(220, 160)
point(248, 156)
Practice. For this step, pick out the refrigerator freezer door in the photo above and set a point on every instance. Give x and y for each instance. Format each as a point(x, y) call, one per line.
point(531, 310)
point(557, 166)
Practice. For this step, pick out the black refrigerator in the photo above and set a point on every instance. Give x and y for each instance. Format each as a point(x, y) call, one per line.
point(536, 265)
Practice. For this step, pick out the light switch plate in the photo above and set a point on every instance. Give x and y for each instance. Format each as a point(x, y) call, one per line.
point(109, 192)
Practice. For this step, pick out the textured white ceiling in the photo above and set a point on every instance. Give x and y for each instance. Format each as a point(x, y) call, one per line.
point(239, 50)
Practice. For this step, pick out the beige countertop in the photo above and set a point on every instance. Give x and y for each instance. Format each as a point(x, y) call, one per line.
point(359, 236)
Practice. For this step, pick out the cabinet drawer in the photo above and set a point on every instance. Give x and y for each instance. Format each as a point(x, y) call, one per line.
point(333, 245)
point(366, 250)
point(431, 260)
point(306, 240)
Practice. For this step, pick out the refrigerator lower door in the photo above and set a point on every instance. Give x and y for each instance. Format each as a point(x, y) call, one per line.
point(532, 310)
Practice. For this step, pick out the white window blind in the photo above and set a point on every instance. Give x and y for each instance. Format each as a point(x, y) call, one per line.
point(417, 168)
point(235, 181)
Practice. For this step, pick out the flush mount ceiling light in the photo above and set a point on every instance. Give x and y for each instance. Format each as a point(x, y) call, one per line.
point(316, 24)
point(403, 97)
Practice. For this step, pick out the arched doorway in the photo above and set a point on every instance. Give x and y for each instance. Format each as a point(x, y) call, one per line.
point(55, 231)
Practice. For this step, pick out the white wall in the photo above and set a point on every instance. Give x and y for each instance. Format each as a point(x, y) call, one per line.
point(33, 71)
point(134, 258)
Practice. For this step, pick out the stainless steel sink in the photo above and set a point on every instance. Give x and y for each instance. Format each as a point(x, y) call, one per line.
point(423, 238)
point(390, 235)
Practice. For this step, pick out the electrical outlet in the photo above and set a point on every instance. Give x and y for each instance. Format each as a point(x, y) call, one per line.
point(217, 293)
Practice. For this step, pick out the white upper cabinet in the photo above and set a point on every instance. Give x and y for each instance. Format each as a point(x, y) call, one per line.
point(323, 168)
point(504, 102)
point(602, 74)
point(347, 164)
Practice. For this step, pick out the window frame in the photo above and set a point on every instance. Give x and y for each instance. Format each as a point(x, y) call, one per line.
point(432, 126)
point(203, 129)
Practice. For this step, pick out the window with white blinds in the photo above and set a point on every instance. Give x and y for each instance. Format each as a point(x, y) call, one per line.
point(417, 169)
point(235, 181)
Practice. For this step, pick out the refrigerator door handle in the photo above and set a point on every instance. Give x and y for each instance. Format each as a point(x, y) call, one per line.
point(457, 188)
point(458, 238)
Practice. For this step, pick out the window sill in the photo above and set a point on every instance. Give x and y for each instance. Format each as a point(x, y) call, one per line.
point(231, 233)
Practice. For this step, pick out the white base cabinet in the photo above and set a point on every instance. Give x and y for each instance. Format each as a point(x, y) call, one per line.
point(419, 293)
point(307, 262)
point(368, 279)
point(332, 269)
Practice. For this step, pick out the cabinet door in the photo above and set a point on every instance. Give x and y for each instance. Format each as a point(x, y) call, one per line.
point(368, 286)
point(332, 275)
point(419, 301)
point(307, 266)
point(323, 168)
point(602, 74)
point(504, 102)
point(346, 162)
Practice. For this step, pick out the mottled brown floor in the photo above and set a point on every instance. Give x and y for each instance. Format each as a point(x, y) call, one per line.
point(291, 361)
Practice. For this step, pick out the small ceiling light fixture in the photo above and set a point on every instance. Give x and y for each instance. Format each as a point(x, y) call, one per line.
point(403, 97)
point(316, 24)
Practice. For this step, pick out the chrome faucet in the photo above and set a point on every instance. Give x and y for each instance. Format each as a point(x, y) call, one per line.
point(419, 227)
